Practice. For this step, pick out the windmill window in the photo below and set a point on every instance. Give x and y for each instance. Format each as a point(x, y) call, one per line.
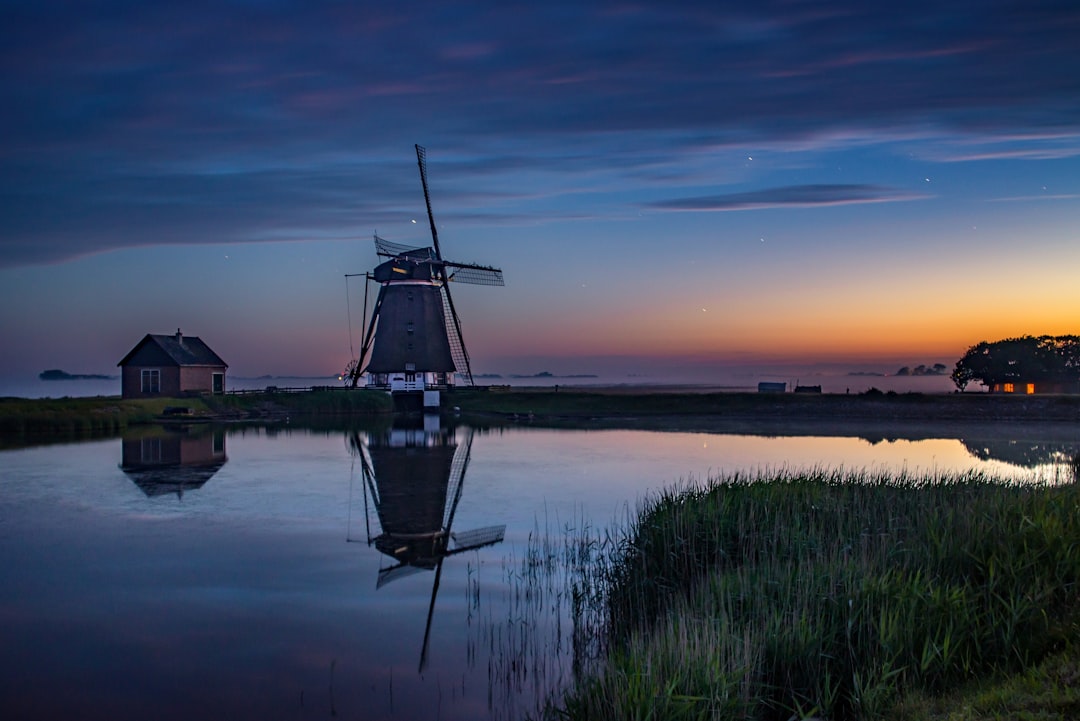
point(410, 329)
point(409, 296)
point(409, 346)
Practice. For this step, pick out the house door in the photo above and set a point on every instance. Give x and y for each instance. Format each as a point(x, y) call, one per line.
point(219, 383)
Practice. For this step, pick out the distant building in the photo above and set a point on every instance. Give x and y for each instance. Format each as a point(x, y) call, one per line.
point(771, 387)
point(171, 366)
point(1030, 388)
point(808, 389)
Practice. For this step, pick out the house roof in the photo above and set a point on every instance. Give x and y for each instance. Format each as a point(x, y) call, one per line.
point(180, 350)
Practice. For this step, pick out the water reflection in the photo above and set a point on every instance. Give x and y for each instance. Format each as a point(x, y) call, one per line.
point(413, 476)
point(172, 459)
point(248, 591)
point(1027, 454)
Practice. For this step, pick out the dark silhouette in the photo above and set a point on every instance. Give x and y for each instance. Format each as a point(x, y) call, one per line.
point(413, 340)
point(1029, 364)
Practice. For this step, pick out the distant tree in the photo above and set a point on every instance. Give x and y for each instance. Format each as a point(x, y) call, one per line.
point(938, 369)
point(1024, 359)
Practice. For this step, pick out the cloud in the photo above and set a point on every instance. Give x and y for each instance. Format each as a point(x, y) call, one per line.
point(183, 122)
point(791, 196)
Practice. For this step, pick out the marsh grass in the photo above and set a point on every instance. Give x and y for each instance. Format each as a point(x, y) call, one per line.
point(313, 403)
point(819, 594)
point(31, 420)
point(23, 420)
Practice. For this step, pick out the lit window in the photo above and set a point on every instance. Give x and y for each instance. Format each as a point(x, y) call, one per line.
point(1030, 388)
point(1009, 388)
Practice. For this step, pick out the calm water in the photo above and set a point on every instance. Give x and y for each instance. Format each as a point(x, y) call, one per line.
point(294, 574)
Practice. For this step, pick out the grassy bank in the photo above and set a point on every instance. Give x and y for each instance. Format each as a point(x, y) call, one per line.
point(836, 596)
point(577, 405)
point(25, 420)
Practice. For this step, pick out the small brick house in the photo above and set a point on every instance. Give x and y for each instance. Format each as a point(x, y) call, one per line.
point(171, 366)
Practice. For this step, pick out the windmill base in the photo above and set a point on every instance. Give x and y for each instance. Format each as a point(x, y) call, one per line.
point(416, 401)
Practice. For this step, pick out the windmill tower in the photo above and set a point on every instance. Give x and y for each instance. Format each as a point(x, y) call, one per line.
point(413, 341)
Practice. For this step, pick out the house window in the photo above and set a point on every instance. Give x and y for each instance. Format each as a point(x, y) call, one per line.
point(1009, 388)
point(218, 383)
point(1030, 388)
point(151, 380)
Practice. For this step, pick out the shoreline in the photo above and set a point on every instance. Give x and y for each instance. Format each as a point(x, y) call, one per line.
point(874, 416)
point(676, 402)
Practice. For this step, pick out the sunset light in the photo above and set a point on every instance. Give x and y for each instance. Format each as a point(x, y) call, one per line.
point(872, 194)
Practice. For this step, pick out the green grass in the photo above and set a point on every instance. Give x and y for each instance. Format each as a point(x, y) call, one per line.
point(576, 405)
point(24, 421)
point(314, 403)
point(1049, 691)
point(826, 594)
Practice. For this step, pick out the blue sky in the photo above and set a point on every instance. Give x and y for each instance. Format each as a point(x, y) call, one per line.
point(668, 184)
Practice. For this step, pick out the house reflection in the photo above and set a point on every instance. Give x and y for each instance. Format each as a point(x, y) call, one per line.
point(173, 459)
point(413, 476)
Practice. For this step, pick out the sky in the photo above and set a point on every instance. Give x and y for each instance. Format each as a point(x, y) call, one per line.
point(675, 186)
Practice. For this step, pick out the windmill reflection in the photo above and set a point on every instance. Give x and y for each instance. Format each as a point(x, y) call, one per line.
point(172, 460)
point(413, 479)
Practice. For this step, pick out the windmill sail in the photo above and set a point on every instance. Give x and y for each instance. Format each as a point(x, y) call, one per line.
point(387, 249)
point(474, 274)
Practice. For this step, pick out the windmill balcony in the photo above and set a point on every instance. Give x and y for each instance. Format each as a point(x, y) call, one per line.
point(410, 382)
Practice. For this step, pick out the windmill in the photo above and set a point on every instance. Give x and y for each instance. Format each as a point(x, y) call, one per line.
point(413, 341)
point(414, 478)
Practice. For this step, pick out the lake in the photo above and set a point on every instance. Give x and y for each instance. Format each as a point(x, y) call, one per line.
point(281, 572)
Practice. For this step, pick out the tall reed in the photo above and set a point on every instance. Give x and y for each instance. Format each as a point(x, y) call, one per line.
point(826, 593)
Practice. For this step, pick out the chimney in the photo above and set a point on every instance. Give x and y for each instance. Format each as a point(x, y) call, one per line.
point(179, 337)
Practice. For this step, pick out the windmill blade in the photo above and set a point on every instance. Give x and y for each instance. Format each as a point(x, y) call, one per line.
point(402, 570)
point(474, 274)
point(453, 336)
point(421, 160)
point(388, 249)
point(458, 466)
point(369, 337)
point(477, 538)
point(430, 615)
